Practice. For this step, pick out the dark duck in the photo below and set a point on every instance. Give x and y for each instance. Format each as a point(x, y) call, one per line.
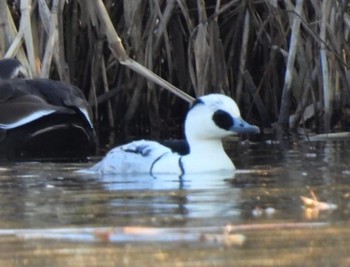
point(42, 119)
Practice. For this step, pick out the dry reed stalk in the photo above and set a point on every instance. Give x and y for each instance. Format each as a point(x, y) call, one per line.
point(46, 63)
point(119, 52)
point(72, 40)
point(201, 51)
point(164, 19)
point(15, 45)
point(283, 118)
point(185, 12)
point(13, 41)
point(324, 64)
point(218, 68)
point(198, 47)
point(134, 21)
point(106, 90)
point(256, 98)
point(54, 47)
point(26, 25)
point(304, 101)
point(95, 71)
point(60, 59)
point(3, 21)
point(243, 58)
point(206, 56)
point(152, 46)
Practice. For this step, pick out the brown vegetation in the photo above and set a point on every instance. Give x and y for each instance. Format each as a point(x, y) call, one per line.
point(282, 61)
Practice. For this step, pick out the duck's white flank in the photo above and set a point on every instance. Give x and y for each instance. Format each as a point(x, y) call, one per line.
point(210, 118)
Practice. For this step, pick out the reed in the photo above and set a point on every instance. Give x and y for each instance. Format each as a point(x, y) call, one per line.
point(284, 62)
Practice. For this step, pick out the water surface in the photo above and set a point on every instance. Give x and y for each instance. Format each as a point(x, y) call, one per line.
point(52, 216)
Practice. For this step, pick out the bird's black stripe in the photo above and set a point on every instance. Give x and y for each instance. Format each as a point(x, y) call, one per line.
point(182, 169)
point(154, 162)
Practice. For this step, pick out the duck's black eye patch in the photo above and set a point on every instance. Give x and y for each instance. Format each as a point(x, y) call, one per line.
point(223, 119)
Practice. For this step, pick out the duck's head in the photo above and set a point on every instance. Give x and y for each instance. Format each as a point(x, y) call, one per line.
point(215, 116)
point(11, 68)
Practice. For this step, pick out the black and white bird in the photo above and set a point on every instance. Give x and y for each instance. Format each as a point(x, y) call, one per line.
point(210, 118)
point(42, 119)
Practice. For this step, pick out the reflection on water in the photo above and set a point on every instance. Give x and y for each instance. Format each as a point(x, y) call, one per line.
point(53, 195)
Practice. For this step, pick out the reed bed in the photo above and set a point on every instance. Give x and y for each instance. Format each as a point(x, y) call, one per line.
point(286, 62)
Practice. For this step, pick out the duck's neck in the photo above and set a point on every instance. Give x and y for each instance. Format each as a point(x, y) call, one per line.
point(205, 156)
point(208, 146)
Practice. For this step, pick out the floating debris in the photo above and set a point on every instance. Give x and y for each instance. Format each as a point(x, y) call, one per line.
point(258, 212)
point(225, 239)
point(311, 155)
point(313, 206)
point(330, 136)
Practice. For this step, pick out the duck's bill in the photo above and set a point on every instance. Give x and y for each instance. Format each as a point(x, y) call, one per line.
point(241, 126)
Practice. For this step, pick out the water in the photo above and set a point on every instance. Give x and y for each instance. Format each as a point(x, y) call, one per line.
point(52, 216)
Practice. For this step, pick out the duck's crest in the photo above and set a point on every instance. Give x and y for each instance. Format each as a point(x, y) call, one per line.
point(197, 102)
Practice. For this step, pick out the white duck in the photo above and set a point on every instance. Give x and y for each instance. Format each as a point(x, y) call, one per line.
point(209, 119)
